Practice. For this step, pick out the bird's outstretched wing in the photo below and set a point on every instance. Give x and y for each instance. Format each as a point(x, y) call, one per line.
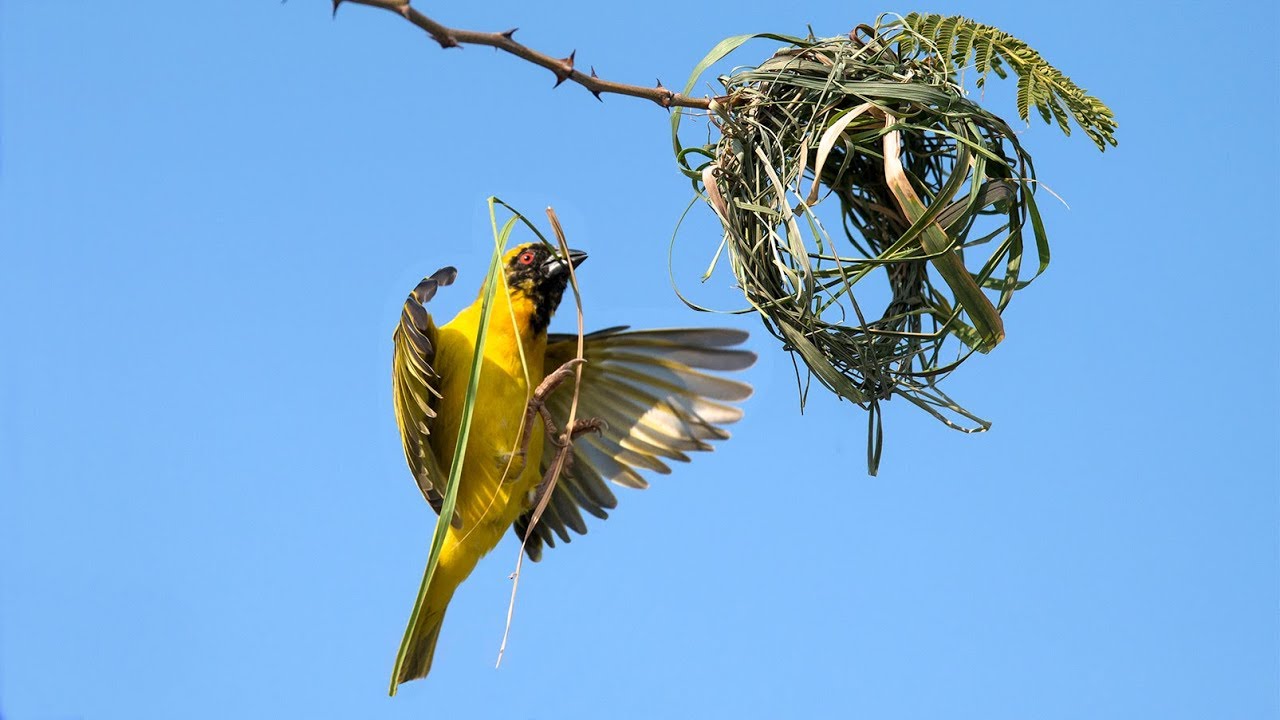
point(414, 384)
point(652, 388)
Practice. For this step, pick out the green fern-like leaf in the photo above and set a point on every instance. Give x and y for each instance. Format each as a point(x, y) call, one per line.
point(983, 50)
point(954, 39)
point(929, 25)
point(1024, 95)
point(907, 45)
point(1060, 115)
point(945, 38)
point(963, 44)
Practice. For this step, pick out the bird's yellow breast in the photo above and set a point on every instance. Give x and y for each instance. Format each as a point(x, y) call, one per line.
point(494, 485)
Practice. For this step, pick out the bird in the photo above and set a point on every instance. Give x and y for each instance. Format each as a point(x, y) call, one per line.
point(646, 397)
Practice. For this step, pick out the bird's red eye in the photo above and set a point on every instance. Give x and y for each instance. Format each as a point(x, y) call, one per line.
point(526, 258)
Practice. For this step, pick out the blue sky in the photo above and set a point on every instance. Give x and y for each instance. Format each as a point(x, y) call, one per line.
point(210, 214)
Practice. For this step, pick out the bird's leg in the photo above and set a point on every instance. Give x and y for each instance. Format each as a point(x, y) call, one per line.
point(562, 441)
point(538, 406)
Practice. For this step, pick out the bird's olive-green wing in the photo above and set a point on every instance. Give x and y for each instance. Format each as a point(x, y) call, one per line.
point(415, 384)
point(660, 395)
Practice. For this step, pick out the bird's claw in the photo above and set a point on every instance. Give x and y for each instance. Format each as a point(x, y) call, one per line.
point(580, 427)
point(554, 380)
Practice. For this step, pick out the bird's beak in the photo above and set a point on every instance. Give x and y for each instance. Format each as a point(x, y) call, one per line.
point(555, 266)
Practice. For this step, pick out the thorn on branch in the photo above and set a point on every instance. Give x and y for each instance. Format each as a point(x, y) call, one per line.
point(509, 33)
point(597, 77)
point(665, 96)
point(445, 40)
point(336, 3)
point(565, 71)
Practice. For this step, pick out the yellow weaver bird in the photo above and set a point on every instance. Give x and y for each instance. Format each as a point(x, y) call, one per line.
point(649, 388)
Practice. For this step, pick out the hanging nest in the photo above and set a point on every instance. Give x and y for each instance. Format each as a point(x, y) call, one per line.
point(935, 195)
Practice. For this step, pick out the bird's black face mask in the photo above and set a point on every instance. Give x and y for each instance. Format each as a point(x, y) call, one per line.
point(542, 274)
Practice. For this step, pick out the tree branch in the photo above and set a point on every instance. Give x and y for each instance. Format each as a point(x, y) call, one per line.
point(562, 68)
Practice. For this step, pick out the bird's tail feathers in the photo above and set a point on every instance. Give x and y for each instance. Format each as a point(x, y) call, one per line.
point(420, 646)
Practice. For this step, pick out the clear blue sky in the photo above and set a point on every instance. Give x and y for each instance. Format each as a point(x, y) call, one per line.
point(211, 212)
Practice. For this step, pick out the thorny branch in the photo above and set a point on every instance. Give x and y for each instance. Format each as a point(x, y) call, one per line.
point(562, 68)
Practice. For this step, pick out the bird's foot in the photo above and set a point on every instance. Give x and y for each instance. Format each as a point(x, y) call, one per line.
point(580, 427)
point(555, 380)
point(537, 407)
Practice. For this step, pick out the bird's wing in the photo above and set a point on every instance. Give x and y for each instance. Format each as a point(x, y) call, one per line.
point(414, 384)
point(652, 388)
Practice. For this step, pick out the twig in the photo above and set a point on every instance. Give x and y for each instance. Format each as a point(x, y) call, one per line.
point(564, 452)
point(562, 68)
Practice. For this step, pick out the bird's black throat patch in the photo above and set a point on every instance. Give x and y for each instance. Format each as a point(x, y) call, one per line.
point(546, 298)
point(530, 272)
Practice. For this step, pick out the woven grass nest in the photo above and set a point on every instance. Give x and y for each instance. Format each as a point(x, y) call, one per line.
point(935, 196)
